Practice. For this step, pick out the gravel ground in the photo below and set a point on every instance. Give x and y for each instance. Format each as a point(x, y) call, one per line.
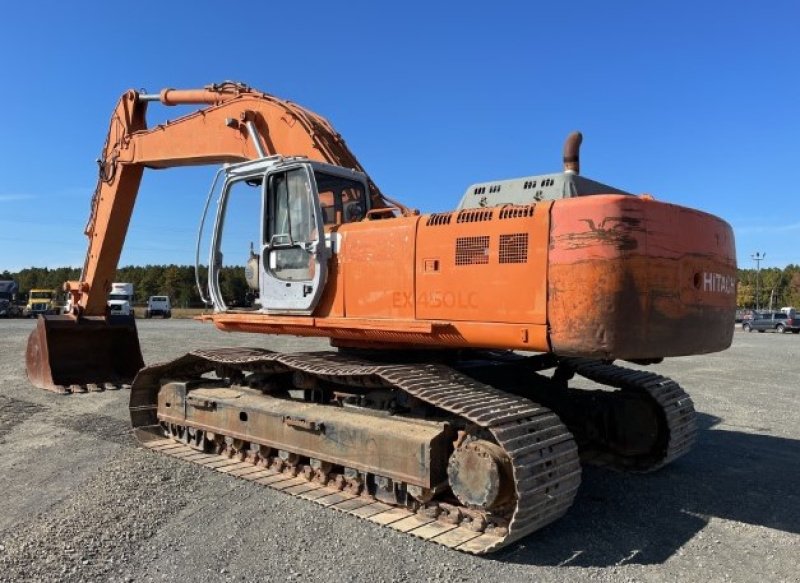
point(82, 502)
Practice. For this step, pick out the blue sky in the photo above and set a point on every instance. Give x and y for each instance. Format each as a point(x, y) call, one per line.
point(696, 103)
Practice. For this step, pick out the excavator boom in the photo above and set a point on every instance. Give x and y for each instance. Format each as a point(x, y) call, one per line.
point(236, 123)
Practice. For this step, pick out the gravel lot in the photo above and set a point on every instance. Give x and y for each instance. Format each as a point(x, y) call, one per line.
point(82, 502)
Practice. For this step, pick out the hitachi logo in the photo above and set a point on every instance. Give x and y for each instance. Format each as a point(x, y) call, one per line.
point(716, 282)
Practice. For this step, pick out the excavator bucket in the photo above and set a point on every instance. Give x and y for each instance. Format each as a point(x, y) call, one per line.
point(67, 354)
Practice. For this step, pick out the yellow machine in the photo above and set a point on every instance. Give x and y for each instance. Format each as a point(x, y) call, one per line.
point(42, 302)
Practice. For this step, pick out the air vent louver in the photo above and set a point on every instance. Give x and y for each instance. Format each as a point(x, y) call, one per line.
point(437, 219)
point(474, 215)
point(515, 212)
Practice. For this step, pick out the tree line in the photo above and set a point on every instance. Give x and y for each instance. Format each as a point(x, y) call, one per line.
point(782, 286)
point(772, 286)
point(175, 281)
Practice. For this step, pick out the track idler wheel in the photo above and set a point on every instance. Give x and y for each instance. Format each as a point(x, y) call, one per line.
point(480, 474)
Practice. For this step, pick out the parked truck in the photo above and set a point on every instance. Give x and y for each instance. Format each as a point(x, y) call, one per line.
point(120, 300)
point(158, 306)
point(42, 302)
point(8, 298)
point(778, 321)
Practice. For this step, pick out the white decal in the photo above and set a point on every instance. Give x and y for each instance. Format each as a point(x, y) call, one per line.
point(716, 282)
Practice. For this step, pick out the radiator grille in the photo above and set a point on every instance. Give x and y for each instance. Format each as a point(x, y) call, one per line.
point(514, 248)
point(472, 250)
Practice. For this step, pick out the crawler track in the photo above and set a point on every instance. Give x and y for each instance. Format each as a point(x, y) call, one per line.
point(679, 428)
point(544, 457)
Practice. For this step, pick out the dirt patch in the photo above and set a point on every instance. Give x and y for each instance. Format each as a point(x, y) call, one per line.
point(13, 412)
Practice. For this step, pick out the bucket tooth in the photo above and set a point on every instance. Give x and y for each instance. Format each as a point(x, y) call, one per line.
point(73, 353)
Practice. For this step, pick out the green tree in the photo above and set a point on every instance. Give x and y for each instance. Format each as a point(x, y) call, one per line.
point(793, 294)
point(151, 282)
point(173, 284)
point(745, 295)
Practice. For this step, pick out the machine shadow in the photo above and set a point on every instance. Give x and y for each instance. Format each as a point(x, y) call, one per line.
point(644, 519)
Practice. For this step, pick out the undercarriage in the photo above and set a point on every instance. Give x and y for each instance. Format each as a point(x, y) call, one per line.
point(473, 451)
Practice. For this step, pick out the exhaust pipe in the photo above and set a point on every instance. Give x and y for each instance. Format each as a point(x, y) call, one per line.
point(66, 354)
point(572, 157)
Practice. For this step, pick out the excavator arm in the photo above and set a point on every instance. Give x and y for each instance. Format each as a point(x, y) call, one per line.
point(236, 123)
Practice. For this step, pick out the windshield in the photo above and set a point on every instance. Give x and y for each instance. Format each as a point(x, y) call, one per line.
point(41, 295)
point(158, 299)
point(118, 297)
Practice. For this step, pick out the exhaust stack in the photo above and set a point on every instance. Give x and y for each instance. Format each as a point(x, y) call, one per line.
point(572, 157)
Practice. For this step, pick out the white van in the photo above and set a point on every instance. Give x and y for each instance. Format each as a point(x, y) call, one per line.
point(158, 306)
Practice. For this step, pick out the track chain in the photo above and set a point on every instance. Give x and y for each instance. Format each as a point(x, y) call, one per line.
point(544, 456)
point(675, 403)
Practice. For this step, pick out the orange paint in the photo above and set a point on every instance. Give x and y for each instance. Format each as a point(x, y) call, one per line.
point(378, 263)
point(607, 275)
point(623, 279)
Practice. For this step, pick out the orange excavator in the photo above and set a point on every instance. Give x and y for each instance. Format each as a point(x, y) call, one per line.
point(447, 410)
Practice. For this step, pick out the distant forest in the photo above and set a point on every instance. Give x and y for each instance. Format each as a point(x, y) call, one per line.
point(177, 281)
point(782, 286)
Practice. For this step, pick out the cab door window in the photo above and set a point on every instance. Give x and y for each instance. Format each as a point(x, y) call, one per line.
point(290, 226)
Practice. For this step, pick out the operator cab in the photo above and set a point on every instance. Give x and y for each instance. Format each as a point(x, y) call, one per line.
point(301, 203)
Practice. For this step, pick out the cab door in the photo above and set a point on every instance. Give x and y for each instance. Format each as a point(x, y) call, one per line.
point(293, 254)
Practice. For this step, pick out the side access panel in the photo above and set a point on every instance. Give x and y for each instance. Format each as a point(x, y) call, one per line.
point(484, 265)
point(377, 261)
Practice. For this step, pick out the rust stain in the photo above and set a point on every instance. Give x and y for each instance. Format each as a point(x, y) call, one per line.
point(618, 232)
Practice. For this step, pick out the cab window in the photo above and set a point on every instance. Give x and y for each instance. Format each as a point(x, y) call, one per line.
point(342, 200)
point(290, 224)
